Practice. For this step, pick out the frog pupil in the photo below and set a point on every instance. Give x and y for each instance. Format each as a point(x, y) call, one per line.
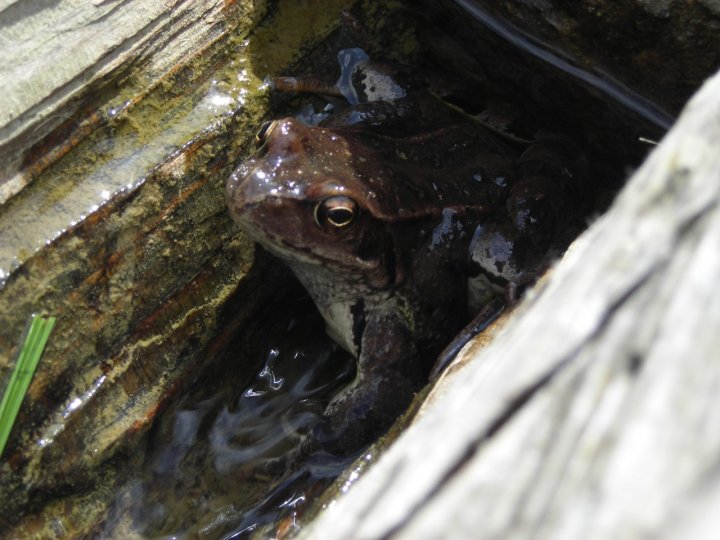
point(340, 216)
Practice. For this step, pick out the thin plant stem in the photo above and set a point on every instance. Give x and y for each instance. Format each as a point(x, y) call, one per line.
point(27, 360)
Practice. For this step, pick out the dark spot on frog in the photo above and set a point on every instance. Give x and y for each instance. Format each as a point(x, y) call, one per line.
point(431, 215)
point(307, 146)
point(358, 320)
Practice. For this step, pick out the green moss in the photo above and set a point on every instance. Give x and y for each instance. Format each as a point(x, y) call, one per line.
point(279, 40)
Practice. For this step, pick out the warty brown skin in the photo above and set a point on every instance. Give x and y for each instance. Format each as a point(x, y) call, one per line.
point(386, 228)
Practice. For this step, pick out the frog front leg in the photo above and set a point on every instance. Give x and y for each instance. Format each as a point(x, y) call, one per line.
point(388, 376)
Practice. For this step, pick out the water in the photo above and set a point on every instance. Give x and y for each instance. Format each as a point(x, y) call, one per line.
point(228, 458)
point(611, 88)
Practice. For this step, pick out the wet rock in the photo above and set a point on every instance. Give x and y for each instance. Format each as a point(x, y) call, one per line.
point(113, 220)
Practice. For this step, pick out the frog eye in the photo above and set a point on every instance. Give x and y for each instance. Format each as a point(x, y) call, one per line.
point(335, 212)
point(263, 132)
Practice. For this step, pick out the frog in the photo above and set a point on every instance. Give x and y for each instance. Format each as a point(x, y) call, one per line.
point(403, 218)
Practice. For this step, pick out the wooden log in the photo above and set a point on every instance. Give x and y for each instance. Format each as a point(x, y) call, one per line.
point(594, 412)
point(61, 55)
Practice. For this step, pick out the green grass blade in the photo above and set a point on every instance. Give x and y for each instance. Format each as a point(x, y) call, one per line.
point(27, 360)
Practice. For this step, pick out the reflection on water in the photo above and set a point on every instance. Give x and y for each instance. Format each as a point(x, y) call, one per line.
point(227, 459)
point(603, 82)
